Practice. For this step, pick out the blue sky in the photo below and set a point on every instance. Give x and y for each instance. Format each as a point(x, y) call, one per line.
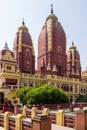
point(71, 14)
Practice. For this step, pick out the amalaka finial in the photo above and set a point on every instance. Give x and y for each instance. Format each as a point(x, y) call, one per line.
point(23, 23)
point(52, 8)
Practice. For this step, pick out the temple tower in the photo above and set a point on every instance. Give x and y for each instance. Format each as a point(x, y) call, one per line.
point(73, 63)
point(52, 47)
point(24, 51)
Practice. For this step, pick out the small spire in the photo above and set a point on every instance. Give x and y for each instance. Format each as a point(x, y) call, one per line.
point(23, 23)
point(52, 8)
point(54, 68)
point(77, 72)
point(48, 66)
point(6, 46)
point(72, 43)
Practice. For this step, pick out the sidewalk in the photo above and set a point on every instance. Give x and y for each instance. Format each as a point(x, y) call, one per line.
point(1, 128)
point(57, 127)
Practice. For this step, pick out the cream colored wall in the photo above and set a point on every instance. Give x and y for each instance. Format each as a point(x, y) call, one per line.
point(11, 95)
point(12, 68)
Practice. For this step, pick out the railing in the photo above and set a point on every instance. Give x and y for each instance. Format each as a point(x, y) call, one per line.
point(18, 122)
point(69, 121)
point(48, 76)
point(11, 123)
point(1, 120)
point(26, 124)
point(59, 117)
point(52, 116)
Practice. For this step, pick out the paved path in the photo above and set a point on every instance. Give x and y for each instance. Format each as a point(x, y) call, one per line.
point(57, 127)
point(1, 128)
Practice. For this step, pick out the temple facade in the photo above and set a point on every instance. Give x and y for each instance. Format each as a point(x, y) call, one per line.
point(55, 66)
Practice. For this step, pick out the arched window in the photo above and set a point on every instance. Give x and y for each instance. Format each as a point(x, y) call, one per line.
point(59, 49)
point(71, 89)
point(9, 67)
point(27, 62)
point(1, 97)
point(27, 52)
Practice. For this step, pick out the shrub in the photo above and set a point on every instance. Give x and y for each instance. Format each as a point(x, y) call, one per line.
point(44, 94)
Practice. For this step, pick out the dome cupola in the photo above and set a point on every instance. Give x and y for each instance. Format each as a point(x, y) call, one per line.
point(23, 27)
point(7, 60)
point(6, 54)
point(52, 15)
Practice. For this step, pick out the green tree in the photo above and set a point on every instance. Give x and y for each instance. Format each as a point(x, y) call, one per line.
point(82, 98)
point(21, 92)
point(44, 94)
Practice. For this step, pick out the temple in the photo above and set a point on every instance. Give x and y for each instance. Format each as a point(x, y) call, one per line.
point(55, 66)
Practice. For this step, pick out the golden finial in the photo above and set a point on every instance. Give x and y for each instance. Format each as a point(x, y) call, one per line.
point(72, 43)
point(52, 8)
point(23, 23)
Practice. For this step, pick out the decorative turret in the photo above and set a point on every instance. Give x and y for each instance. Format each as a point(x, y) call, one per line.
point(6, 47)
point(49, 69)
point(7, 66)
point(52, 46)
point(73, 62)
point(23, 50)
point(6, 54)
point(54, 70)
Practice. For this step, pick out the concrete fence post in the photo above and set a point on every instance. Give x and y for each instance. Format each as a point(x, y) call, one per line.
point(6, 120)
point(60, 117)
point(16, 109)
point(41, 122)
point(81, 106)
point(33, 112)
point(71, 108)
point(18, 121)
point(24, 110)
point(59, 107)
point(45, 111)
point(81, 120)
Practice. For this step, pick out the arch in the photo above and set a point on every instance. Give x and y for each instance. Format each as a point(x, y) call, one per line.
point(59, 49)
point(27, 62)
point(1, 98)
point(27, 52)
